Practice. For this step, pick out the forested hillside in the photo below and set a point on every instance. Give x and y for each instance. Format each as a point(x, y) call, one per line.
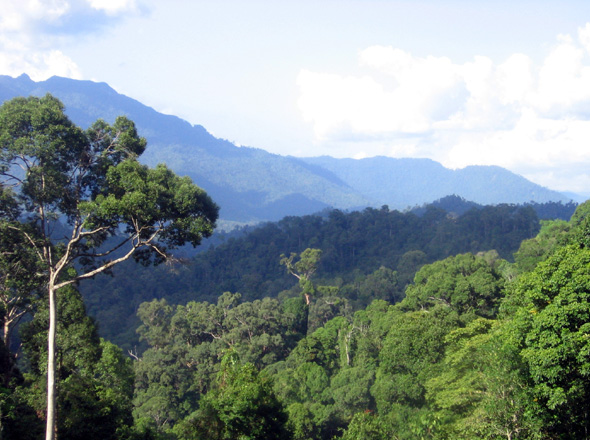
point(373, 246)
point(477, 348)
point(453, 321)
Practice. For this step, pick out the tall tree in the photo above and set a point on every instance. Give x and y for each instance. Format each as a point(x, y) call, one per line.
point(113, 206)
point(467, 283)
point(95, 380)
point(303, 269)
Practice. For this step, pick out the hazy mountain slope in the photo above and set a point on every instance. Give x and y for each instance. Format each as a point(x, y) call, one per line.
point(251, 184)
point(401, 183)
point(248, 183)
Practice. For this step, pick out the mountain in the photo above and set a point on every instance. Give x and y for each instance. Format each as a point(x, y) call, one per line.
point(400, 183)
point(252, 185)
point(249, 184)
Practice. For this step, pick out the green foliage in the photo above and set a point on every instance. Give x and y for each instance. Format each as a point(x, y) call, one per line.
point(383, 284)
point(554, 325)
point(480, 391)
point(156, 316)
point(412, 348)
point(187, 343)
point(553, 234)
point(96, 381)
point(443, 363)
point(241, 406)
point(350, 391)
point(303, 421)
point(114, 207)
point(366, 426)
point(305, 267)
point(21, 278)
point(466, 283)
point(355, 246)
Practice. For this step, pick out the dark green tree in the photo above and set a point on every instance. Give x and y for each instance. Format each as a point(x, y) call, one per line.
point(114, 207)
point(242, 406)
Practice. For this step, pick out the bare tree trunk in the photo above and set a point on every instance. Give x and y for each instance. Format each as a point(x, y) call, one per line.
point(51, 426)
point(6, 330)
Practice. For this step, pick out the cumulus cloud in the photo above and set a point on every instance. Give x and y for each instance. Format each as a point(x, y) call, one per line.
point(39, 65)
point(533, 118)
point(113, 6)
point(32, 31)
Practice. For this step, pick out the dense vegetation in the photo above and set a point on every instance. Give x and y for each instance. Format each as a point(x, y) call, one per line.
point(381, 325)
point(110, 208)
point(478, 348)
point(369, 254)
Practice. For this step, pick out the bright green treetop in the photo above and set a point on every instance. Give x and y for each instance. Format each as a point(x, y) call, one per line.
point(114, 207)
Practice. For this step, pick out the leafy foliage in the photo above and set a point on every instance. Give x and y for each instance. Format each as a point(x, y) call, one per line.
point(466, 283)
point(93, 182)
point(354, 248)
point(474, 347)
point(557, 322)
point(96, 381)
point(241, 406)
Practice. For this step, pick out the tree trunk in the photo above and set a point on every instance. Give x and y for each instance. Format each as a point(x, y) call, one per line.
point(6, 337)
point(51, 427)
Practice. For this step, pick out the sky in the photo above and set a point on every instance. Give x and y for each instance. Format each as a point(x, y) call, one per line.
point(462, 82)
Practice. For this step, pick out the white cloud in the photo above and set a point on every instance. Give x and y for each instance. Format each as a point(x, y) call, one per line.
point(22, 15)
point(113, 6)
point(517, 114)
point(32, 32)
point(39, 65)
point(515, 81)
point(361, 105)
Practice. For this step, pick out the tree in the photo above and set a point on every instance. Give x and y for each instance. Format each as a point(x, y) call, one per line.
point(112, 206)
point(21, 278)
point(366, 426)
point(95, 380)
point(554, 326)
point(187, 342)
point(553, 234)
point(480, 391)
point(466, 283)
point(411, 351)
point(303, 269)
point(241, 407)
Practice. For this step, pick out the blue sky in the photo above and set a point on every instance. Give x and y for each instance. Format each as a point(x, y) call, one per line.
point(462, 82)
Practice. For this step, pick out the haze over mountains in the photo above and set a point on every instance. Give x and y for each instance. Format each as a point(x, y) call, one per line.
point(251, 184)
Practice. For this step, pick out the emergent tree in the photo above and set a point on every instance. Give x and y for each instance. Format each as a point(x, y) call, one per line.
point(89, 200)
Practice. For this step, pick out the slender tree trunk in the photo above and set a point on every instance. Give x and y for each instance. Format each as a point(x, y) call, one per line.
point(7, 333)
point(51, 427)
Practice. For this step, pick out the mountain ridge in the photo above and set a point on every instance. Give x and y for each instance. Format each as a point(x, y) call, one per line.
point(427, 179)
point(252, 185)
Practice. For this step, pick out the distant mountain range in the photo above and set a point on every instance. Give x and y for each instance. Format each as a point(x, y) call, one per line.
point(251, 184)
